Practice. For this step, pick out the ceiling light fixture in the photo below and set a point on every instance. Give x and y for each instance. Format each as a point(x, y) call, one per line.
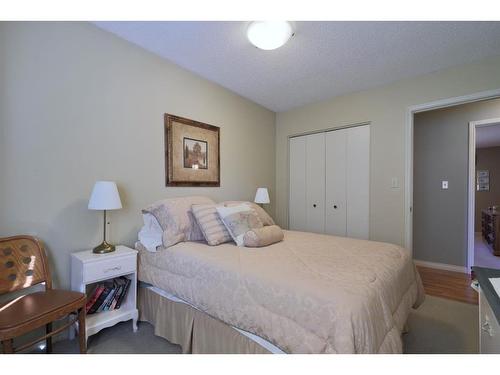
point(269, 35)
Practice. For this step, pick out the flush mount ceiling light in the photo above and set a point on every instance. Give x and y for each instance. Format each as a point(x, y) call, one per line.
point(269, 35)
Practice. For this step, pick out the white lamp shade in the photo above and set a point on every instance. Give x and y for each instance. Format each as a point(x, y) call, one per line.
point(262, 196)
point(105, 196)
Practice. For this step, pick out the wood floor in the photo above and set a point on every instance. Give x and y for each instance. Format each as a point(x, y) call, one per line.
point(448, 284)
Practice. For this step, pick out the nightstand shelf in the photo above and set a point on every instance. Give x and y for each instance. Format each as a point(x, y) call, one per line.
point(88, 268)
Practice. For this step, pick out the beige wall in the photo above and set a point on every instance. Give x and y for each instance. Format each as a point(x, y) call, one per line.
point(385, 108)
point(489, 159)
point(77, 105)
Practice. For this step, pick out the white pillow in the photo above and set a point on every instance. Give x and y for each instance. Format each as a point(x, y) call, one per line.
point(238, 220)
point(150, 234)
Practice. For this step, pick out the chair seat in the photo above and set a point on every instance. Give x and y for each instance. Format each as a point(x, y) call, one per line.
point(35, 306)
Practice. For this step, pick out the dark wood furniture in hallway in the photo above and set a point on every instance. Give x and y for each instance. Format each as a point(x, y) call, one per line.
point(490, 225)
point(448, 284)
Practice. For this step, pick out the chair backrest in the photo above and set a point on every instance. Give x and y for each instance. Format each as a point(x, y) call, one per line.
point(23, 263)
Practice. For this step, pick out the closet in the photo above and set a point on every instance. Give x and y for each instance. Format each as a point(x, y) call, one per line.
point(329, 175)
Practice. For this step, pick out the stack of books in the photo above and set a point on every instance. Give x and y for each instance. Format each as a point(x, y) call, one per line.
point(107, 295)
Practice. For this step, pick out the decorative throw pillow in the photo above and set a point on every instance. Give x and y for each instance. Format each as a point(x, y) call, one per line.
point(263, 215)
point(239, 220)
point(210, 223)
point(264, 236)
point(177, 220)
point(150, 235)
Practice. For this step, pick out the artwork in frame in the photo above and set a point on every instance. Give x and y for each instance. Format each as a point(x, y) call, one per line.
point(191, 152)
point(483, 180)
point(195, 153)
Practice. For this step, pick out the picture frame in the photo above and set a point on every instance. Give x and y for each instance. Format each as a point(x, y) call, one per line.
point(192, 152)
point(483, 180)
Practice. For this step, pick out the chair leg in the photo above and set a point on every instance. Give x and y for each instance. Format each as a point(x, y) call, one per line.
point(48, 340)
point(7, 346)
point(82, 336)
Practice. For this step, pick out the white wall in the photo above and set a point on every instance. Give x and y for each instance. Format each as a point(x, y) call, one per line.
point(78, 104)
point(385, 108)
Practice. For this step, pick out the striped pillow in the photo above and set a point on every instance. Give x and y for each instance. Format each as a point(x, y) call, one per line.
point(211, 225)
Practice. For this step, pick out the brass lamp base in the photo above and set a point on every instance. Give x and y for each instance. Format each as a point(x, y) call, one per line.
point(104, 248)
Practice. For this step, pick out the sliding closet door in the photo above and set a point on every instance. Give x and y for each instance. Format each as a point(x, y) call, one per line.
point(358, 181)
point(297, 193)
point(315, 183)
point(335, 204)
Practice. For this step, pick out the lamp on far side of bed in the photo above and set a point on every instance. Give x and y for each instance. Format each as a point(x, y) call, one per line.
point(262, 196)
point(104, 197)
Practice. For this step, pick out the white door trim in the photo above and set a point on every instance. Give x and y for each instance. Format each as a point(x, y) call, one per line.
point(471, 191)
point(443, 103)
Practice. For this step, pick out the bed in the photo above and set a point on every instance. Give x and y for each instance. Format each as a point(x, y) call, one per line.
point(310, 293)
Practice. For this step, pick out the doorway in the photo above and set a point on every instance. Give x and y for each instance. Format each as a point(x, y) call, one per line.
point(484, 194)
point(438, 179)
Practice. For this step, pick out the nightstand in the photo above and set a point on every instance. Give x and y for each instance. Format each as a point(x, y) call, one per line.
point(88, 268)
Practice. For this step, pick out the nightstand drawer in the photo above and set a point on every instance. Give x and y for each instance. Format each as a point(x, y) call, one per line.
point(109, 268)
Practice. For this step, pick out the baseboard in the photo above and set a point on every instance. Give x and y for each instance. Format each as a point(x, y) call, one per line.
point(441, 266)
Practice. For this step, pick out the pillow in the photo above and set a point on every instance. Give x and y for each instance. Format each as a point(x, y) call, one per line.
point(263, 215)
point(176, 219)
point(150, 235)
point(210, 224)
point(264, 236)
point(238, 220)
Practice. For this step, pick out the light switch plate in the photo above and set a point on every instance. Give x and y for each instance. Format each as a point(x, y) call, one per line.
point(444, 185)
point(395, 183)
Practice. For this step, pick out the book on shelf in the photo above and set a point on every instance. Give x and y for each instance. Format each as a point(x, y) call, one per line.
point(111, 298)
point(115, 299)
point(124, 292)
point(108, 295)
point(107, 288)
point(122, 281)
point(111, 290)
point(93, 297)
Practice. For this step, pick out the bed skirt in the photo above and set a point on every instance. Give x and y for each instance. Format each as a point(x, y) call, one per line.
point(195, 331)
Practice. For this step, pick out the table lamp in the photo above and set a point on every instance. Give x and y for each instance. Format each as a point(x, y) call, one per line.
point(262, 196)
point(104, 197)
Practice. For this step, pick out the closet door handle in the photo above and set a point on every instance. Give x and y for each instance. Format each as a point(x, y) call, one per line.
point(314, 205)
point(335, 206)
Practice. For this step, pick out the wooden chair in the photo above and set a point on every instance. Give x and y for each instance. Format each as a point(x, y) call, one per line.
point(23, 263)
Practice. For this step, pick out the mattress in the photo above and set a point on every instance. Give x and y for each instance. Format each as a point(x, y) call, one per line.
point(309, 293)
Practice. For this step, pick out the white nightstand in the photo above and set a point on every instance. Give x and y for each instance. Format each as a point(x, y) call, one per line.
point(88, 268)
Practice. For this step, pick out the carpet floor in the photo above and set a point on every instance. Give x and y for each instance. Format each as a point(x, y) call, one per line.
point(439, 326)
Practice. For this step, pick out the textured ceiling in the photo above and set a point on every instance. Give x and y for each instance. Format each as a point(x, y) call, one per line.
point(322, 60)
point(488, 136)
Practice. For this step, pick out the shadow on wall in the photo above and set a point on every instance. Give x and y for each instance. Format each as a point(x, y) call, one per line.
point(74, 228)
point(128, 233)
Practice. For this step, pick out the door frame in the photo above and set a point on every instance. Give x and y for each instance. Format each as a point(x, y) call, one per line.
point(471, 191)
point(409, 127)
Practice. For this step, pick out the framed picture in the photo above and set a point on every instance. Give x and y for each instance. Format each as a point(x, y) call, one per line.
point(483, 180)
point(191, 152)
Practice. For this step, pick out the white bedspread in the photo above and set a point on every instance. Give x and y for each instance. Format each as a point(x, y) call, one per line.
point(310, 293)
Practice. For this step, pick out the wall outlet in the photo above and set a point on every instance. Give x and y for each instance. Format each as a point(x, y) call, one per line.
point(444, 185)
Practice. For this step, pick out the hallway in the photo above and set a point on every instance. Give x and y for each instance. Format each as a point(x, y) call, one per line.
point(483, 257)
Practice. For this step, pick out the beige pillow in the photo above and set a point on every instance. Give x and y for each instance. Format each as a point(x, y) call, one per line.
point(177, 220)
point(239, 219)
point(264, 236)
point(263, 215)
point(210, 223)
